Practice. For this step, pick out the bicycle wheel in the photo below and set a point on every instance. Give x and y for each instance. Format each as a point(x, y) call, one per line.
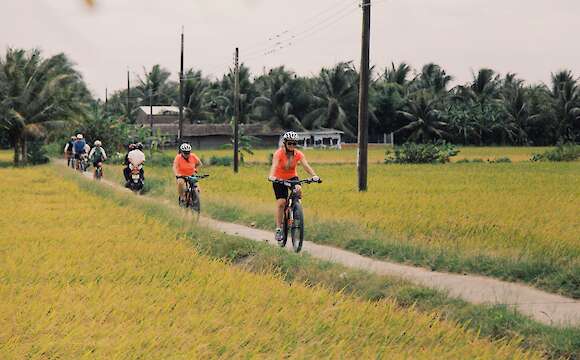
point(195, 203)
point(285, 228)
point(297, 229)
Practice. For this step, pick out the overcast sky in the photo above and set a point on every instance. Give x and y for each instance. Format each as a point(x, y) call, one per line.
point(530, 37)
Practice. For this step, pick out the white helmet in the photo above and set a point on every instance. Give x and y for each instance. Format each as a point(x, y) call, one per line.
point(79, 136)
point(98, 143)
point(185, 147)
point(290, 135)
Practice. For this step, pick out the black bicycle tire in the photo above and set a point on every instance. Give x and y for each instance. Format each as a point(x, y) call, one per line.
point(284, 240)
point(298, 219)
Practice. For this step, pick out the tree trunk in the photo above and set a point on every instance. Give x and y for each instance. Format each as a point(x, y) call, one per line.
point(20, 150)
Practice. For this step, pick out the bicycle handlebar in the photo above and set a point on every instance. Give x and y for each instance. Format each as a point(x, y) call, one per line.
point(193, 176)
point(291, 183)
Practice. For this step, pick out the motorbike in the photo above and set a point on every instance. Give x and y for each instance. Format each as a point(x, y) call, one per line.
point(136, 180)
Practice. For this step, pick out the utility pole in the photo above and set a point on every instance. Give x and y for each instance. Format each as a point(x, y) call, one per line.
point(128, 97)
point(180, 133)
point(237, 109)
point(363, 104)
point(106, 100)
point(151, 110)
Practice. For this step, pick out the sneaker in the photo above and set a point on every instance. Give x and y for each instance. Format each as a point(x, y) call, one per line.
point(279, 235)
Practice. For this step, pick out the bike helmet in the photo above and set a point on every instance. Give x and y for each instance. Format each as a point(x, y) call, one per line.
point(73, 138)
point(139, 146)
point(79, 136)
point(131, 146)
point(290, 135)
point(98, 143)
point(185, 147)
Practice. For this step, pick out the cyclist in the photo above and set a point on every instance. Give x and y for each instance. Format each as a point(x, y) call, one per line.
point(97, 156)
point(186, 163)
point(284, 164)
point(68, 150)
point(79, 150)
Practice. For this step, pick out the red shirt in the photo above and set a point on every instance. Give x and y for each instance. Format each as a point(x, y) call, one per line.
point(186, 167)
point(287, 165)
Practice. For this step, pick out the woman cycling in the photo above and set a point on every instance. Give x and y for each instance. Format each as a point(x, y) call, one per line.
point(284, 164)
point(185, 163)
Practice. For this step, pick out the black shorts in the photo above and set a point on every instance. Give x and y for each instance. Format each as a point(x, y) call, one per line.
point(78, 156)
point(281, 191)
point(95, 164)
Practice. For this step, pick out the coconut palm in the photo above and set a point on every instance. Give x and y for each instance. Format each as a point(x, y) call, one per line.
point(156, 88)
point(194, 92)
point(334, 97)
point(37, 94)
point(280, 90)
point(425, 122)
point(398, 75)
point(432, 77)
point(516, 108)
point(566, 95)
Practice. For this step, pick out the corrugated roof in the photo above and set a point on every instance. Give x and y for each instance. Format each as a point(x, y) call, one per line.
point(160, 110)
point(193, 130)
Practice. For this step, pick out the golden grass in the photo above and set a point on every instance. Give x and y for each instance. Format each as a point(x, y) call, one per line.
point(83, 278)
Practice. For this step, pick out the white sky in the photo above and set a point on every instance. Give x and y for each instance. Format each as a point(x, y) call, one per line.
point(530, 37)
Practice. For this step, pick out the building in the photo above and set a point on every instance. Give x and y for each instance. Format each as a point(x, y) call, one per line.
point(160, 115)
point(322, 138)
point(207, 136)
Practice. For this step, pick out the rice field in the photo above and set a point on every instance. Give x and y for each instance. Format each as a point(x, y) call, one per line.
point(81, 277)
point(522, 212)
point(376, 154)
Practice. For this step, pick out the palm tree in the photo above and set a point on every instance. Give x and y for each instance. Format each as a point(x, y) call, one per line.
point(156, 88)
point(398, 75)
point(36, 95)
point(425, 121)
point(334, 96)
point(280, 91)
point(219, 98)
point(566, 95)
point(516, 107)
point(195, 87)
point(432, 77)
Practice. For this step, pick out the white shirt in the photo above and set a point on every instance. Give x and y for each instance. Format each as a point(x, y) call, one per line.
point(136, 157)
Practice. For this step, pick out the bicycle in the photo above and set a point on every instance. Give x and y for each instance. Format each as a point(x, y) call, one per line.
point(192, 198)
point(293, 214)
point(99, 171)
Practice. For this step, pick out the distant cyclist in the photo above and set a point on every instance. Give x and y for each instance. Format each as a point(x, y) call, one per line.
point(68, 150)
point(97, 156)
point(136, 160)
point(284, 164)
point(126, 170)
point(79, 150)
point(186, 163)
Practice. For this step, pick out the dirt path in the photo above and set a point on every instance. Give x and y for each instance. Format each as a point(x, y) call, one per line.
point(544, 307)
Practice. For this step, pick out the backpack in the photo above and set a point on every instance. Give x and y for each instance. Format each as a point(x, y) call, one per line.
point(80, 146)
point(97, 154)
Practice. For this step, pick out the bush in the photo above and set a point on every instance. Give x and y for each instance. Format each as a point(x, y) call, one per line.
point(221, 160)
point(563, 152)
point(501, 160)
point(37, 153)
point(410, 153)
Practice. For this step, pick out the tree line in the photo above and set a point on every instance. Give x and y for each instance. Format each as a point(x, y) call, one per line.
point(39, 95)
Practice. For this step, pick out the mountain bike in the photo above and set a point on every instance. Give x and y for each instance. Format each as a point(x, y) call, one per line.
point(293, 214)
point(99, 171)
point(192, 199)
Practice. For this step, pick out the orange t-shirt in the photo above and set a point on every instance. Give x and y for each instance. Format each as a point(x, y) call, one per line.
point(186, 167)
point(287, 167)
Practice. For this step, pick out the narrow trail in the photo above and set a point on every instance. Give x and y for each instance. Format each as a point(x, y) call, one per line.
point(541, 306)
